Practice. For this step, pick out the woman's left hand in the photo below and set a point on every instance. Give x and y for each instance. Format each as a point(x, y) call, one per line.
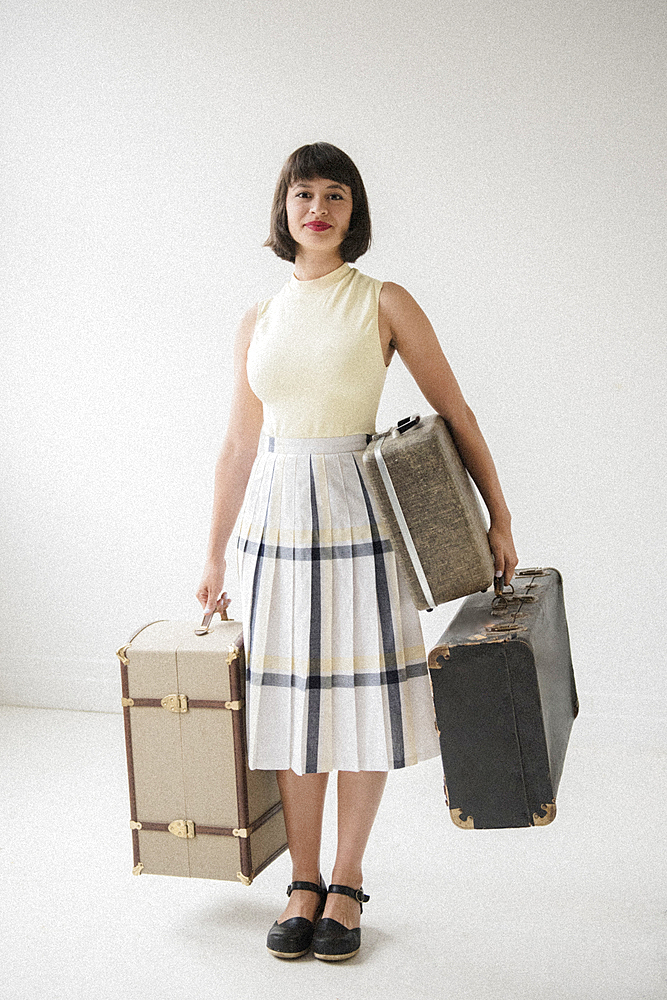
point(504, 553)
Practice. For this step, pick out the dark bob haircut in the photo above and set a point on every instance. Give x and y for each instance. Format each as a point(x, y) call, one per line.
point(320, 159)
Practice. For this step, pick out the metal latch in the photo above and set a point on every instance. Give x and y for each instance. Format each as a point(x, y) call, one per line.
point(182, 828)
point(175, 702)
point(531, 571)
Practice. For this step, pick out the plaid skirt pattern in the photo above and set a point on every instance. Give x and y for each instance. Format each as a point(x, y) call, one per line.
point(336, 668)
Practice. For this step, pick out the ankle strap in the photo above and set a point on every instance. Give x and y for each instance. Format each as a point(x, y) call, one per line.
point(346, 890)
point(321, 889)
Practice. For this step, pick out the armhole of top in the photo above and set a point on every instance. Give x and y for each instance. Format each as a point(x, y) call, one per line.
point(261, 309)
point(378, 291)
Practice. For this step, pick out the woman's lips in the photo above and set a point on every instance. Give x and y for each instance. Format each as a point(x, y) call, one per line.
point(318, 227)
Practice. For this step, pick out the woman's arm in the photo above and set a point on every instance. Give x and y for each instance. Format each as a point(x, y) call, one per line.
point(414, 338)
point(232, 470)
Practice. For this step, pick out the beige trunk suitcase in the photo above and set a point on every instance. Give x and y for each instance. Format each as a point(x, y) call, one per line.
point(432, 511)
point(196, 809)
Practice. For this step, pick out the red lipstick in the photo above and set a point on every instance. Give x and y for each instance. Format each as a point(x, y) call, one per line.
point(318, 227)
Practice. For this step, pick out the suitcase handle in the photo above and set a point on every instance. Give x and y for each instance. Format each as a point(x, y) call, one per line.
point(501, 599)
point(407, 422)
point(206, 621)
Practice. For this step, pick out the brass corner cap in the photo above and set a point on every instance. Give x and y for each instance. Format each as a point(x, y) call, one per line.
point(550, 809)
point(464, 824)
point(437, 657)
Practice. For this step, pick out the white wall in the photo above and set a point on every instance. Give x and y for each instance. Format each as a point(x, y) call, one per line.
point(514, 159)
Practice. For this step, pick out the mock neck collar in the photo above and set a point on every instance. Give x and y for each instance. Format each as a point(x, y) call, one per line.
point(316, 284)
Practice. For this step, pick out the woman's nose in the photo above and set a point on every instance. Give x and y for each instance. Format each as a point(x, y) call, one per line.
point(319, 207)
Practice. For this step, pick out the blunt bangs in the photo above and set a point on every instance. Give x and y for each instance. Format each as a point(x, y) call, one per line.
point(320, 159)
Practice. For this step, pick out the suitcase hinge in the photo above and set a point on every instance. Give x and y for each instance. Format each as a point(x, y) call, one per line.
point(175, 702)
point(233, 653)
point(127, 702)
point(234, 706)
point(241, 833)
point(137, 870)
point(182, 828)
point(134, 825)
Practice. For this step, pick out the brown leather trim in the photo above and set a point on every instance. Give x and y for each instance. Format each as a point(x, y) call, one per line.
point(221, 831)
point(265, 817)
point(272, 857)
point(192, 703)
point(237, 692)
point(125, 687)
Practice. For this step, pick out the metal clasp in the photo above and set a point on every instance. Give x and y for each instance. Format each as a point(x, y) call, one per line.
point(175, 702)
point(182, 828)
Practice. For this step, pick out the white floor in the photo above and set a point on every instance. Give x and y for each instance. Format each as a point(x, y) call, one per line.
point(575, 910)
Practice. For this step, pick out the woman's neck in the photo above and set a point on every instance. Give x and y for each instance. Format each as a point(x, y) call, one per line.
point(308, 267)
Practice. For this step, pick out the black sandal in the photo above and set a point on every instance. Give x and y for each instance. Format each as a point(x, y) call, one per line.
point(293, 937)
point(333, 941)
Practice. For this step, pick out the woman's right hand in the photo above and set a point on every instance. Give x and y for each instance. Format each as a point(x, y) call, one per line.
point(210, 593)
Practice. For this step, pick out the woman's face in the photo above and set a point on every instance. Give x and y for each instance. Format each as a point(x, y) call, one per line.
point(318, 213)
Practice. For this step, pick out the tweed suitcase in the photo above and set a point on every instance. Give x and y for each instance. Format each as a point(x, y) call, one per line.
point(505, 700)
point(196, 809)
point(434, 516)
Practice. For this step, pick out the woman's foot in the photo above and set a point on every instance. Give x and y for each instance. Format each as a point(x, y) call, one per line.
point(343, 909)
point(302, 903)
point(338, 938)
point(292, 933)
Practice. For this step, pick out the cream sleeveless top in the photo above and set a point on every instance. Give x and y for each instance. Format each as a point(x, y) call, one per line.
point(315, 358)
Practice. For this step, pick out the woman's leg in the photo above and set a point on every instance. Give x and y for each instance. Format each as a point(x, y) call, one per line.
point(359, 796)
point(303, 805)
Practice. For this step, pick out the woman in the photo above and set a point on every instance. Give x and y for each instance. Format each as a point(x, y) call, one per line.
point(336, 672)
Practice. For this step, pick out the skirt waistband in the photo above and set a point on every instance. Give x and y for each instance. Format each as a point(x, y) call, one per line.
point(313, 446)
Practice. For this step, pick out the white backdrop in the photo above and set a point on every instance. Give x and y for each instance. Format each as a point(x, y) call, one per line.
point(514, 156)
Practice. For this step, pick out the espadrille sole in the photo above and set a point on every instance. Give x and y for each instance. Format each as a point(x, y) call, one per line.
point(335, 958)
point(288, 954)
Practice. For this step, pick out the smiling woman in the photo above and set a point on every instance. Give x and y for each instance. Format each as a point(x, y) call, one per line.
point(305, 168)
point(336, 670)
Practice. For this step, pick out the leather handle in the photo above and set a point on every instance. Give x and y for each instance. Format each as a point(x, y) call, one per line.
point(206, 621)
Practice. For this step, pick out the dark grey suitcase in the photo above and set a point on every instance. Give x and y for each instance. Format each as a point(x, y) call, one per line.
point(505, 700)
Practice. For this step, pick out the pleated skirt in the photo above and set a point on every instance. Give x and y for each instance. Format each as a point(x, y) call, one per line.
point(336, 668)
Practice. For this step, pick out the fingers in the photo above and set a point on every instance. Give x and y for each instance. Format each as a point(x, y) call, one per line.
point(219, 603)
point(223, 602)
point(210, 593)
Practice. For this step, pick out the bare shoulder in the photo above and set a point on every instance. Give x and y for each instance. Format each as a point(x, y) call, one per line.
point(394, 298)
point(403, 314)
